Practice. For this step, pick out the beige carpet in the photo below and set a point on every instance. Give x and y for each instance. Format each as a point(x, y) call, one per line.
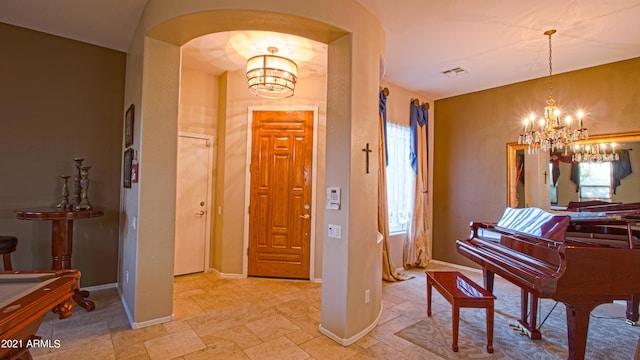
point(609, 336)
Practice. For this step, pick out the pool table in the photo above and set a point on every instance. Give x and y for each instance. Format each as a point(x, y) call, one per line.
point(25, 298)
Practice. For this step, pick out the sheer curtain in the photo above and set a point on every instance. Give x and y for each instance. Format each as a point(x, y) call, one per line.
point(400, 178)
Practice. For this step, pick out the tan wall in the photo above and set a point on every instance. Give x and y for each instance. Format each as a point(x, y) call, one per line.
point(157, 185)
point(198, 113)
point(472, 131)
point(60, 99)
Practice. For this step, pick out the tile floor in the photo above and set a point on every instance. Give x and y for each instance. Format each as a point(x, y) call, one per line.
point(253, 318)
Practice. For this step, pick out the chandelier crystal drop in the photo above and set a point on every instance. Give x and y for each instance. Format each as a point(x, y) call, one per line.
point(272, 76)
point(594, 153)
point(550, 134)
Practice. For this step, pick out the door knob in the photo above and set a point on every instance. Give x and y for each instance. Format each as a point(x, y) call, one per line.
point(305, 216)
point(200, 213)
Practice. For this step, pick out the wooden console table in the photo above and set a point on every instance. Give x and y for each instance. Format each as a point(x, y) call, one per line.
point(62, 239)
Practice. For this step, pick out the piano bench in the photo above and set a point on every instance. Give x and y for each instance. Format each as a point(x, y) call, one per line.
point(461, 292)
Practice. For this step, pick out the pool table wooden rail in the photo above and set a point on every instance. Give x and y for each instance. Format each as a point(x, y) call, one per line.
point(21, 317)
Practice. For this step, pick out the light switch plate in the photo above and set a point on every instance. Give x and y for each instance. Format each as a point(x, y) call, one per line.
point(334, 231)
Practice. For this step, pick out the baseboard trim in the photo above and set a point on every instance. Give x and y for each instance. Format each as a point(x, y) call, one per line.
point(138, 325)
point(356, 337)
point(461, 267)
point(227, 275)
point(152, 322)
point(100, 287)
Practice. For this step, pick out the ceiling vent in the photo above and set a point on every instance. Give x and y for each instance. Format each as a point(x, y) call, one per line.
point(454, 72)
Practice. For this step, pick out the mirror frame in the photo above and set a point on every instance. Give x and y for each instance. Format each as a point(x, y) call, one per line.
point(513, 147)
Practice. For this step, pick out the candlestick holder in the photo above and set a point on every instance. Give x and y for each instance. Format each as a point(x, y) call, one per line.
point(77, 188)
point(84, 184)
point(64, 203)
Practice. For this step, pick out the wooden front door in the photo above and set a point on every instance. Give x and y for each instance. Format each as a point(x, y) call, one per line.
point(280, 194)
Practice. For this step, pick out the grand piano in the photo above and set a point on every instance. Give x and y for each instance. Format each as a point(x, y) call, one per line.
point(581, 258)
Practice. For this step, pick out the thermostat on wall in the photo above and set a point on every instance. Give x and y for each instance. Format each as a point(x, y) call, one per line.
point(333, 198)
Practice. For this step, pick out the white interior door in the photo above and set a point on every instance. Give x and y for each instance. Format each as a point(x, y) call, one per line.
point(192, 204)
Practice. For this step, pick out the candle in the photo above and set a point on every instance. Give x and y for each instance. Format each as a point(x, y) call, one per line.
point(580, 115)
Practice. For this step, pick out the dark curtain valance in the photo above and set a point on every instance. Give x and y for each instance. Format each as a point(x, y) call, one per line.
point(621, 168)
point(419, 117)
point(383, 113)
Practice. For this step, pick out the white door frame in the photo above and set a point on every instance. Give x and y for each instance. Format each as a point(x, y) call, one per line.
point(207, 226)
point(314, 171)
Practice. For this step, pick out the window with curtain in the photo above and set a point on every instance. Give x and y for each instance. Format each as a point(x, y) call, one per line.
point(595, 181)
point(400, 178)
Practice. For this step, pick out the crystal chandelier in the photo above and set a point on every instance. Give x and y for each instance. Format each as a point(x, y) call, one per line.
point(551, 134)
point(272, 76)
point(594, 153)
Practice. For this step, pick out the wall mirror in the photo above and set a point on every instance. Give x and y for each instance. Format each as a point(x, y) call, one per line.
point(561, 187)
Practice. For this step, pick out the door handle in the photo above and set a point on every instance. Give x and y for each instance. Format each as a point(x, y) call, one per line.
point(305, 216)
point(200, 213)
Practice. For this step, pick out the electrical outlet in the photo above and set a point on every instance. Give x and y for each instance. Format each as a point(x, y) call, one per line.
point(367, 296)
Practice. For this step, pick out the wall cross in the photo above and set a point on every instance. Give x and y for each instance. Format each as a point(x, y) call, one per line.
point(367, 151)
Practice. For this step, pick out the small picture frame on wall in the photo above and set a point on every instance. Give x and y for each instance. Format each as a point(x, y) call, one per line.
point(128, 126)
point(126, 171)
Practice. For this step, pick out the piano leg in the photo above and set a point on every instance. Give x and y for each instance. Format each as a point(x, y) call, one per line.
point(632, 309)
point(487, 277)
point(529, 327)
point(577, 329)
point(533, 318)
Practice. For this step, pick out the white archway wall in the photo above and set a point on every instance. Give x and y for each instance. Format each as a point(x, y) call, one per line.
point(354, 103)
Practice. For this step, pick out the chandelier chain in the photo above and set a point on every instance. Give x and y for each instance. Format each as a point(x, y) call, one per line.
point(550, 71)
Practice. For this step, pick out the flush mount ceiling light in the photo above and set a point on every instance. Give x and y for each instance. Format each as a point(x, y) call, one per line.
point(272, 76)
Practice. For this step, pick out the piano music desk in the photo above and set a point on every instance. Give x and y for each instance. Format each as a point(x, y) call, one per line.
point(461, 292)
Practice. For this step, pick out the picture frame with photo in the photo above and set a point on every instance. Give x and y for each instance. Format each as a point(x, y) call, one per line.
point(128, 126)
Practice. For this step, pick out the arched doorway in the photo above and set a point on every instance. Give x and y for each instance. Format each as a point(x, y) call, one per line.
point(352, 87)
